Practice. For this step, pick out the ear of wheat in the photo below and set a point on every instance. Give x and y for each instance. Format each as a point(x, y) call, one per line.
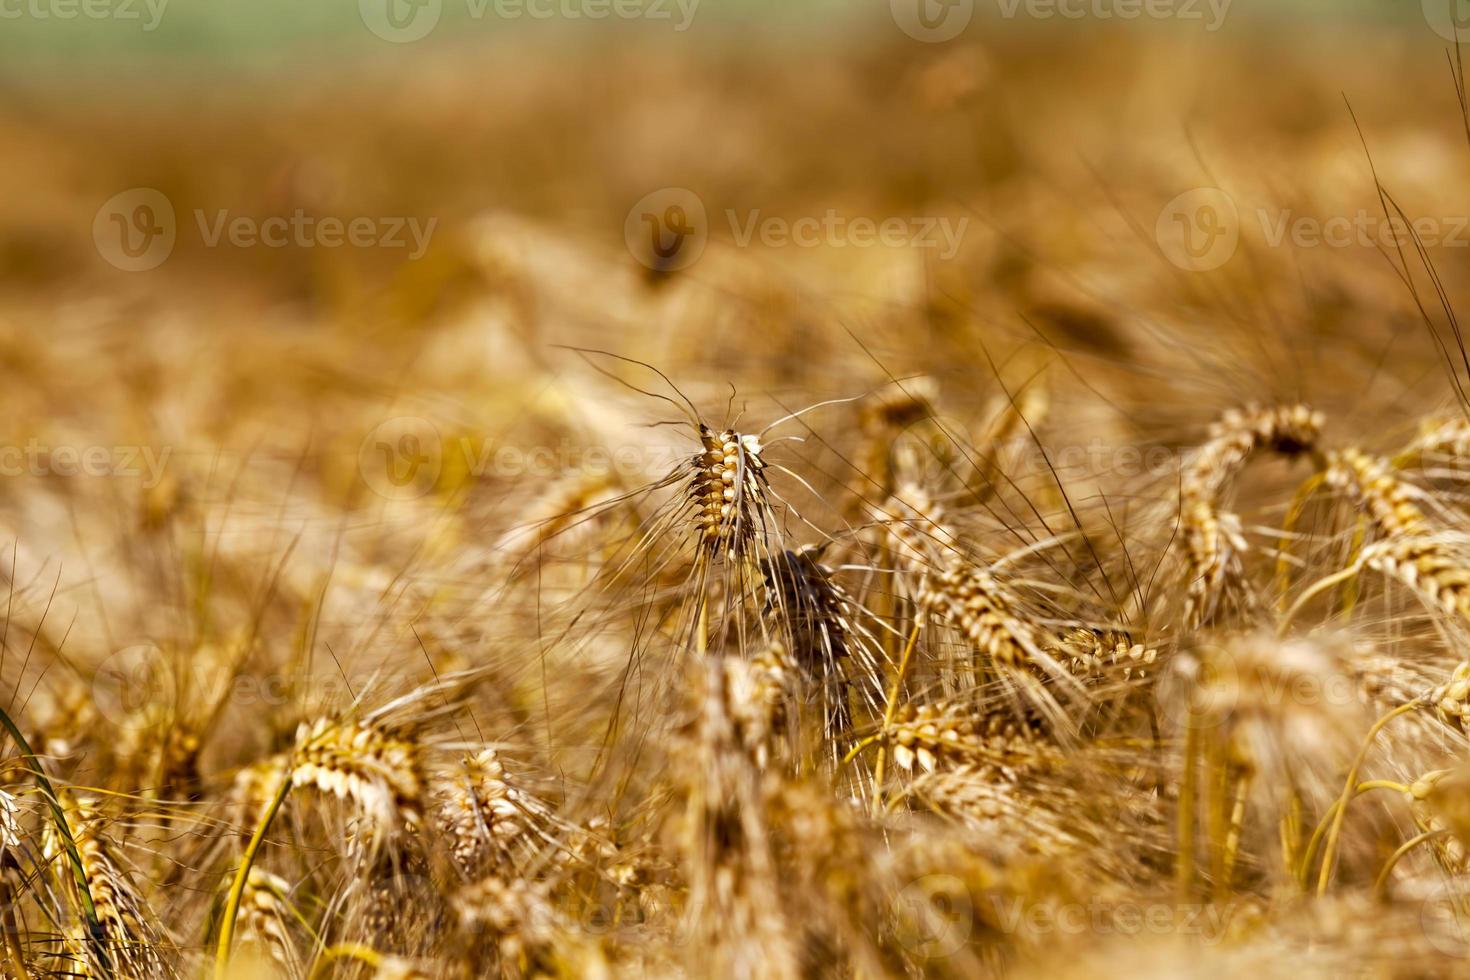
point(135, 943)
point(1103, 655)
point(728, 489)
point(267, 921)
point(950, 588)
point(375, 771)
point(930, 735)
point(724, 838)
point(1452, 698)
point(487, 817)
point(1410, 550)
point(1441, 438)
point(823, 635)
point(1213, 540)
point(883, 417)
point(1370, 481)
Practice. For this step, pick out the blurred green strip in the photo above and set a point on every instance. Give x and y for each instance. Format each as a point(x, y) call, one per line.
point(37, 31)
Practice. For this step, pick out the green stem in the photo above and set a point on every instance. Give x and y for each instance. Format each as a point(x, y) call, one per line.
point(1318, 587)
point(346, 951)
point(1184, 869)
point(1283, 550)
point(1309, 855)
point(1403, 849)
point(1329, 850)
point(96, 935)
point(893, 694)
point(242, 874)
point(13, 951)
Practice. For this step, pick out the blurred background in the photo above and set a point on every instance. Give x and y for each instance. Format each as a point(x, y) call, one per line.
point(251, 234)
point(1060, 128)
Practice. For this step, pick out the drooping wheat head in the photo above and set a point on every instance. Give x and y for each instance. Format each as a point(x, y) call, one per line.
point(1213, 540)
point(379, 773)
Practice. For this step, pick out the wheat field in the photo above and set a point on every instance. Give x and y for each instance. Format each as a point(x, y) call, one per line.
point(796, 496)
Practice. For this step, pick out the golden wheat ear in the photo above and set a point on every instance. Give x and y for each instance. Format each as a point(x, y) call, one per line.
point(1433, 562)
point(1370, 481)
point(137, 943)
point(380, 774)
point(268, 922)
point(966, 596)
point(490, 822)
point(882, 462)
point(728, 489)
point(825, 636)
point(1214, 543)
